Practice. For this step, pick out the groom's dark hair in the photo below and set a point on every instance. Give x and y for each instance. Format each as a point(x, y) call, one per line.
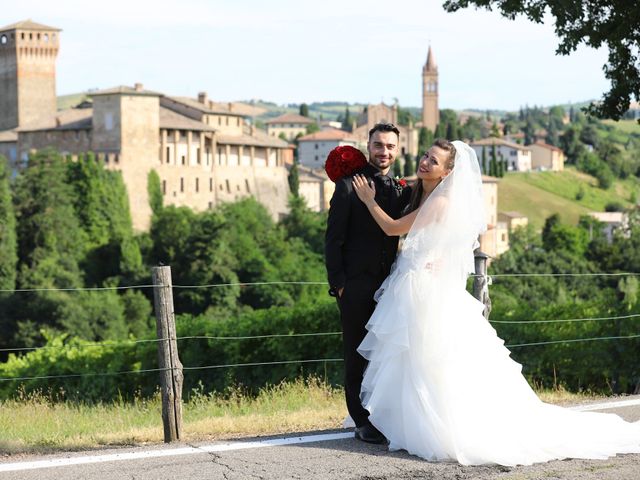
point(384, 127)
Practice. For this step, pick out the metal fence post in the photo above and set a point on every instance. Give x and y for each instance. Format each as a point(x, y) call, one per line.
point(171, 376)
point(481, 282)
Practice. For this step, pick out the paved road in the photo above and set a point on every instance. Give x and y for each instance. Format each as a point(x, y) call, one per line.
point(319, 455)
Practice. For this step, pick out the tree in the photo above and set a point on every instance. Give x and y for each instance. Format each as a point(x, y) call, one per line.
point(8, 245)
point(595, 22)
point(312, 128)
point(346, 124)
point(493, 163)
point(425, 140)
point(397, 168)
point(294, 179)
point(408, 166)
point(485, 166)
point(154, 189)
point(304, 110)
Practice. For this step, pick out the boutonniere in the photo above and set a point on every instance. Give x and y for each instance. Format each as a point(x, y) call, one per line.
point(343, 161)
point(401, 184)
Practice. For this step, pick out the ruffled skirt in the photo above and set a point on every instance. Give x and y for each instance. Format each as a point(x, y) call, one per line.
point(441, 385)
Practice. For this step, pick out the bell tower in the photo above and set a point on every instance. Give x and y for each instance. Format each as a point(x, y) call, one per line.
point(430, 111)
point(28, 52)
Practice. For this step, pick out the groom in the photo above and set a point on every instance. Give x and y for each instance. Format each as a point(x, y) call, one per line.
point(358, 258)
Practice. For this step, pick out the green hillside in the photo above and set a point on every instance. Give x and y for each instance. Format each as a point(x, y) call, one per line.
point(540, 194)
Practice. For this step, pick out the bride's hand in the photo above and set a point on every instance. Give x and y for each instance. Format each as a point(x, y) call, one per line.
point(365, 192)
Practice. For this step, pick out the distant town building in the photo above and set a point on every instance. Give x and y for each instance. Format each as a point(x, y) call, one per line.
point(546, 157)
point(611, 221)
point(489, 240)
point(204, 152)
point(513, 220)
point(517, 157)
point(315, 187)
point(382, 113)
point(314, 148)
point(289, 125)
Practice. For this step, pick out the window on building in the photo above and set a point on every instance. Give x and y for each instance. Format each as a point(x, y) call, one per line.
point(226, 120)
point(184, 160)
point(3, 40)
point(164, 187)
point(210, 205)
point(246, 183)
point(238, 120)
point(228, 186)
point(168, 154)
point(211, 184)
point(182, 184)
point(504, 237)
point(197, 185)
point(198, 159)
point(316, 146)
point(316, 158)
point(219, 120)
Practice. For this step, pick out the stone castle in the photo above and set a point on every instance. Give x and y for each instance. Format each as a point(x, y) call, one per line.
point(204, 152)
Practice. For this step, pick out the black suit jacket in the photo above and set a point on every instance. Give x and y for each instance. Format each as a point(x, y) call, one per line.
point(354, 243)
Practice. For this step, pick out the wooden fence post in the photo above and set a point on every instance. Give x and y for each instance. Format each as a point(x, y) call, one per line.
point(171, 377)
point(481, 282)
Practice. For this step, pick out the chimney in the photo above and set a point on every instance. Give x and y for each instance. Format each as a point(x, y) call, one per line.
point(202, 98)
point(230, 107)
point(253, 130)
point(58, 122)
point(138, 87)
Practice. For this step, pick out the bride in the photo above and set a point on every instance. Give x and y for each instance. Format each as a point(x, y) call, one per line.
point(440, 383)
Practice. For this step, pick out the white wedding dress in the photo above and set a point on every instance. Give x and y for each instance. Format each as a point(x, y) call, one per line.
point(440, 383)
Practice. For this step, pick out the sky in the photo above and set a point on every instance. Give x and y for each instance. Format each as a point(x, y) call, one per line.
point(292, 51)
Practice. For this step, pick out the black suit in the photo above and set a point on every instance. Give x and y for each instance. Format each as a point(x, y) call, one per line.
point(358, 257)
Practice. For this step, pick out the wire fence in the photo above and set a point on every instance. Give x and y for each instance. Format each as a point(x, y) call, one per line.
point(107, 344)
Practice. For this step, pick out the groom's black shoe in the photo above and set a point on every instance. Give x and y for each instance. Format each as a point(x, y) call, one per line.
point(370, 434)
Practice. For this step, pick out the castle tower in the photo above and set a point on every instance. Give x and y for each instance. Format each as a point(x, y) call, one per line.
point(430, 112)
point(126, 123)
point(28, 54)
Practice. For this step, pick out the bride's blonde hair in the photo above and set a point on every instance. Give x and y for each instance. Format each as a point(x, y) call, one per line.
point(416, 194)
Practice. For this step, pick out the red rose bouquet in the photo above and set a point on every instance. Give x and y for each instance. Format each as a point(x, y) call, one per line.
point(342, 161)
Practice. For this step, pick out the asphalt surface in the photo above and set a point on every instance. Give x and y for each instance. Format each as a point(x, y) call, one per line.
point(286, 458)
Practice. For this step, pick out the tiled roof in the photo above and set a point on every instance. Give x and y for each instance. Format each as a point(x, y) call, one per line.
point(208, 107)
point(498, 141)
point(289, 118)
point(8, 136)
point(488, 179)
point(125, 90)
point(328, 134)
point(547, 146)
point(173, 120)
point(28, 25)
point(430, 66)
point(512, 214)
point(312, 174)
point(70, 119)
point(257, 139)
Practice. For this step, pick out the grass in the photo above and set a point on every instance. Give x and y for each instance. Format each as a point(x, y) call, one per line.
point(540, 194)
point(627, 126)
point(37, 425)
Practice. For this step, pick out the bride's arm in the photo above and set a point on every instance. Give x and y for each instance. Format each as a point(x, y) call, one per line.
point(390, 226)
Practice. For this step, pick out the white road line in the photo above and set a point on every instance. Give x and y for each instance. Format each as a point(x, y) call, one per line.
point(226, 447)
point(606, 405)
point(223, 447)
